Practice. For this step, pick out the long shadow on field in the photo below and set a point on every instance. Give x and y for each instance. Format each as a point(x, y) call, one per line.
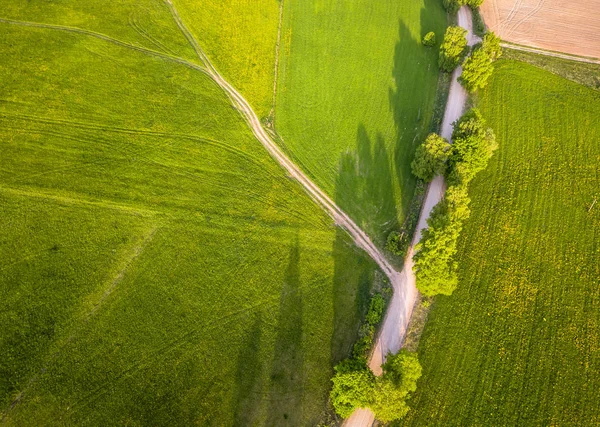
point(249, 377)
point(353, 276)
point(366, 175)
point(408, 97)
point(287, 376)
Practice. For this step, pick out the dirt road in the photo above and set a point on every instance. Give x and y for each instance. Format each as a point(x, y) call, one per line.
point(400, 309)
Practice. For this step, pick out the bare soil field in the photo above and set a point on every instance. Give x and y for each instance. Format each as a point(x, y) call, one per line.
point(571, 27)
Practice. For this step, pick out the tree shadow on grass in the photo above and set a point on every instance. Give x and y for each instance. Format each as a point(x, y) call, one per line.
point(248, 377)
point(364, 186)
point(287, 376)
point(408, 99)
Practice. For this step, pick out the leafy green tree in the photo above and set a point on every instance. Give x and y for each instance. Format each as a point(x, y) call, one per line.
point(435, 269)
point(429, 39)
point(477, 69)
point(472, 147)
point(400, 374)
point(351, 390)
point(479, 66)
point(453, 49)
point(430, 157)
point(491, 45)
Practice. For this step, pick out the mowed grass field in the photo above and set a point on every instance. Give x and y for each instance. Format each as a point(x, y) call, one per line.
point(518, 343)
point(355, 96)
point(158, 268)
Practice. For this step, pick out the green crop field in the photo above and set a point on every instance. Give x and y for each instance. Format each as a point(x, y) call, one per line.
point(157, 266)
point(355, 95)
point(518, 343)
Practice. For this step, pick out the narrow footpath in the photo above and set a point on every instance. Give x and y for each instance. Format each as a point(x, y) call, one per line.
point(403, 300)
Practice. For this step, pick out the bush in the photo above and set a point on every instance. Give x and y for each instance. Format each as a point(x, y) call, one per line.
point(430, 157)
point(397, 243)
point(429, 39)
point(452, 6)
point(375, 310)
point(453, 48)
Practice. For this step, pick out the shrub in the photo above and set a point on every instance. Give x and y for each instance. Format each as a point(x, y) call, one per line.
point(397, 243)
point(375, 310)
point(453, 48)
point(452, 6)
point(430, 157)
point(429, 39)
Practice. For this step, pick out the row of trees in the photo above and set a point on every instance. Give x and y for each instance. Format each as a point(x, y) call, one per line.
point(473, 145)
point(479, 65)
point(357, 387)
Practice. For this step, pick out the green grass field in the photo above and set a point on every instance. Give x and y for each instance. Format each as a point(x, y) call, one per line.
point(158, 268)
point(239, 37)
point(355, 96)
point(518, 343)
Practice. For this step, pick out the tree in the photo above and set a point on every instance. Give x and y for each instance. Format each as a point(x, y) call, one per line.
point(476, 71)
point(491, 45)
point(453, 49)
point(400, 374)
point(429, 39)
point(479, 66)
point(430, 157)
point(472, 147)
point(435, 269)
point(352, 389)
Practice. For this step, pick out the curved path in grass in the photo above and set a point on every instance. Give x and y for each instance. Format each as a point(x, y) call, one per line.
point(339, 216)
point(405, 292)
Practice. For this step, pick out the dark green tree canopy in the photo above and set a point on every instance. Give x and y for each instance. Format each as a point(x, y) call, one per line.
point(430, 157)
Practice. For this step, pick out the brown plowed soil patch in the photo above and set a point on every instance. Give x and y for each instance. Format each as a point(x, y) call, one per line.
point(560, 25)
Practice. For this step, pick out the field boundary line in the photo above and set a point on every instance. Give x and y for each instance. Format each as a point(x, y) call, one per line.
point(106, 38)
point(539, 51)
